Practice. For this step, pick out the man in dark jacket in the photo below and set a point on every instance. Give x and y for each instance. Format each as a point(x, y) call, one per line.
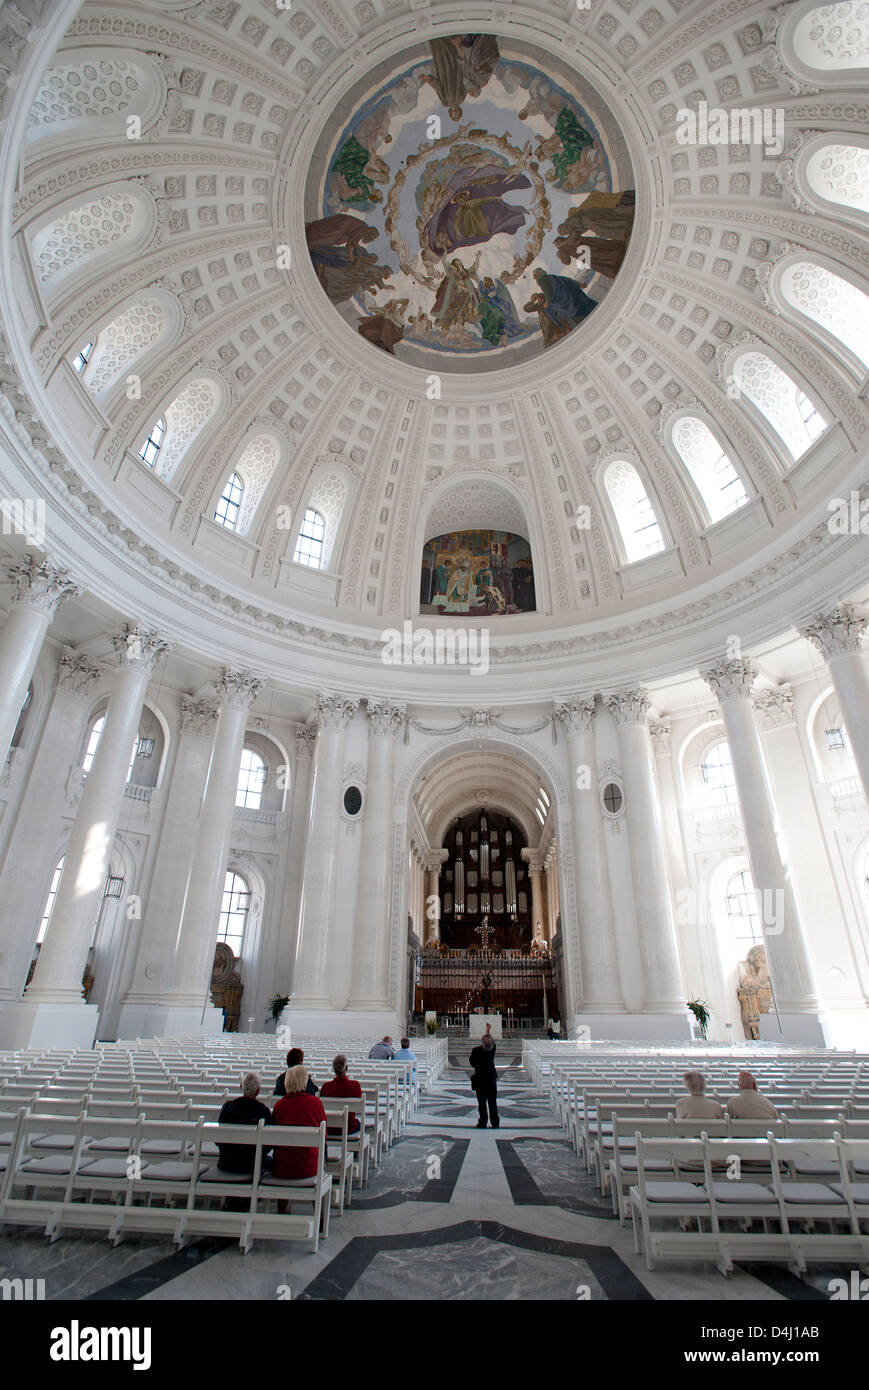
point(485, 1080)
point(295, 1058)
point(244, 1110)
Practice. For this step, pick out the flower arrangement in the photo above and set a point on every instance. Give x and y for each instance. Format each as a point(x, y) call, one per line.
point(700, 1010)
point(277, 1004)
point(431, 1023)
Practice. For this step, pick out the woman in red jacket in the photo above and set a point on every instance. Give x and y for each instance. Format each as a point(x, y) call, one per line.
point(297, 1108)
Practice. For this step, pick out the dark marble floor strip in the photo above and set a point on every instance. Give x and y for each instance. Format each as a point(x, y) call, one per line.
point(340, 1275)
point(783, 1282)
point(145, 1280)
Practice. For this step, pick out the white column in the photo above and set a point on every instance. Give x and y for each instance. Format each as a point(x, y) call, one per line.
point(534, 860)
point(657, 932)
point(38, 828)
point(188, 998)
point(142, 1013)
point(370, 980)
point(837, 636)
point(601, 989)
point(433, 902)
point(56, 986)
point(289, 925)
point(334, 714)
point(39, 590)
point(731, 680)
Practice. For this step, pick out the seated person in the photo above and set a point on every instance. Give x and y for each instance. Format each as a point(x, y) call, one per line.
point(697, 1106)
point(405, 1054)
point(244, 1110)
point(295, 1058)
point(297, 1107)
point(382, 1051)
point(343, 1085)
point(748, 1103)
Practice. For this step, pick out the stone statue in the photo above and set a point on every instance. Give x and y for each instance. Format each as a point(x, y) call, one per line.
point(754, 992)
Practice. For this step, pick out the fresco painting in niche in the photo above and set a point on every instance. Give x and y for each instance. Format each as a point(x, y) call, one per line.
point(468, 206)
point(477, 572)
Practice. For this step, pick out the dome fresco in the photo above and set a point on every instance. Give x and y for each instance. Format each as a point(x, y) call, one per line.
point(470, 207)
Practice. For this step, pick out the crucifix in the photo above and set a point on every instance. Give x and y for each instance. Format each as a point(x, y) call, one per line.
point(484, 932)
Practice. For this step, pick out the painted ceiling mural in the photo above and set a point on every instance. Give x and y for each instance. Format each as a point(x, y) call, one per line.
point(468, 209)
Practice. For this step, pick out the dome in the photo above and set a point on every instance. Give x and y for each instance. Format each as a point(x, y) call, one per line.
point(318, 323)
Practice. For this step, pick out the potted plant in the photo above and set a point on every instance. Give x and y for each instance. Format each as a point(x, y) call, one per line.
point(700, 1009)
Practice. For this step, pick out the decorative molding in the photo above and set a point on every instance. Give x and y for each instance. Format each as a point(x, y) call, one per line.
point(138, 647)
point(629, 707)
point(575, 715)
point(731, 678)
point(335, 711)
point(775, 707)
point(835, 633)
point(41, 585)
point(385, 719)
point(198, 717)
point(660, 732)
point(237, 689)
point(76, 674)
point(306, 737)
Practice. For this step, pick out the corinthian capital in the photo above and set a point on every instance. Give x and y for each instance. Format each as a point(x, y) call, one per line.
point(385, 719)
point(575, 713)
point(660, 731)
point(731, 678)
point(775, 707)
point(41, 586)
point(836, 632)
point(305, 739)
point(628, 706)
point(76, 674)
point(139, 647)
point(198, 717)
point(238, 689)
point(336, 711)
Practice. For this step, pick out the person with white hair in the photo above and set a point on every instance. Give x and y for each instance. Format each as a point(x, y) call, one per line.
point(244, 1110)
point(748, 1103)
point(297, 1107)
point(697, 1106)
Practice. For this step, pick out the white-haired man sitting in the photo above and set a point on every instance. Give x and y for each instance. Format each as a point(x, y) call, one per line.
point(244, 1110)
point(696, 1105)
point(748, 1103)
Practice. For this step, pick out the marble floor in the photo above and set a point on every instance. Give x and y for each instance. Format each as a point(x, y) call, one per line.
point(453, 1213)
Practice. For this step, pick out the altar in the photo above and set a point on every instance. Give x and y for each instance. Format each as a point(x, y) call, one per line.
point(477, 1025)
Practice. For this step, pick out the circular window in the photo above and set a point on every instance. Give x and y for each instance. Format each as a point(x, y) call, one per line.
point(352, 801)
point(612, 797)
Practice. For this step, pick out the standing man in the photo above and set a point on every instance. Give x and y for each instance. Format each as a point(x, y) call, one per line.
point(485, 1079)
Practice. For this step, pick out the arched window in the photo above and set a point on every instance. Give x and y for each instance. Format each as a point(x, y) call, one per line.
point(154, 442)
point(182, 421)
point(717, 772)
point(740, 900)
point(638, 525)
point(828, 300)
point(233, 911)
point(226, 511)
point(793, 416)
point(251, 780)
point(714, 475)
point(840, 174)
point(309, 546)
point(122, 341)
point(82, 357)
point(49, 902)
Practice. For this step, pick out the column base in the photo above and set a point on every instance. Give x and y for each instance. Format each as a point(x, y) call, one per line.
point(846, 1029)
point(633, 1027)
point(806, 1030)
point(168, 1021)
point(32, 1023)
point(338, 1023)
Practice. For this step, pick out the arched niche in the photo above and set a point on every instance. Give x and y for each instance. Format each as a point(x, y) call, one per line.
point(92, 92)
point(477, 502)
point(129, 340)
point(825, 46)
point(90, 233)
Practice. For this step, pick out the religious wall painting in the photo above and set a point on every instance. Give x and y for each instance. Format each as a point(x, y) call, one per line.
point(468, 207)
point(484, 573)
